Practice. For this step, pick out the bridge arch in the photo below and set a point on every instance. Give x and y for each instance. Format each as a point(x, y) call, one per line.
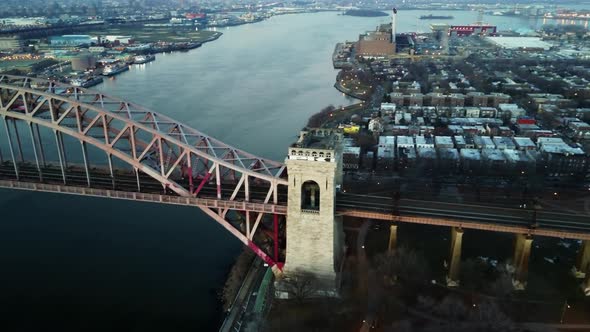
point(176, 151)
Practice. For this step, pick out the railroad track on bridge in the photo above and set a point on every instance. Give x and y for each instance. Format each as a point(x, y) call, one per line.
point(469, 216)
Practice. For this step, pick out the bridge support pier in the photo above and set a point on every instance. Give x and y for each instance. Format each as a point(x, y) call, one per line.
point(455, 257)
point(392, 238)
point(580, 270)
point(586, 284)
point(522, 253)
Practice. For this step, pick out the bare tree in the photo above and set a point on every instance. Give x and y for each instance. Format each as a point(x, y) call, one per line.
point(301, 286)
point(502, 287)
point(473, 274)
point(365, 141)
point(454, 315)
point(400, 326)
point(425, 303)
point(318, 119)
point(548, 118)
point(404, 266)
point(489, 317)
point(452, 309)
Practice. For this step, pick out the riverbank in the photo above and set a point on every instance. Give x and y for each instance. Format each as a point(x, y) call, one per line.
point(158, 35)
point(237, 311)
point(351, 86)
point(279, 97)
point(365, 13)
point(347, 92)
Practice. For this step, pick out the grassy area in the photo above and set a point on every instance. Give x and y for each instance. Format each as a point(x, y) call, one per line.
point(356, 87)
point(18, 64)
point(318, 314)
point(22, 66)
point(157, 34)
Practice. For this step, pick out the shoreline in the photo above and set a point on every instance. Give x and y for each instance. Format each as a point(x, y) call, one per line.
point(347, 92)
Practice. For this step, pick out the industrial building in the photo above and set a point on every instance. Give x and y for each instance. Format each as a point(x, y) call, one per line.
point(11, 43)
point(441, 34)
point(472, 29)
point(72, 40)
point(379, 43)
point(122, 40)
point(83, 61)
point(520, 43)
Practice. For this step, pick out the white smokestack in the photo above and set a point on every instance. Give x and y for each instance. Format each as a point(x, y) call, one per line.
point(393, 25)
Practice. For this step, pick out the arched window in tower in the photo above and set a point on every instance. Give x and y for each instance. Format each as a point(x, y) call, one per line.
point(310, 196)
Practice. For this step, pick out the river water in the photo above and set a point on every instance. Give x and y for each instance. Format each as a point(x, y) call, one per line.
point(88, 264)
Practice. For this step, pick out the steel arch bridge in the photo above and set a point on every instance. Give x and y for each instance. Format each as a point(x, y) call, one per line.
point(165, 161)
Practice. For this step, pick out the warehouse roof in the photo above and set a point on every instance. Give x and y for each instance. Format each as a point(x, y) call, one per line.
point(520, 42)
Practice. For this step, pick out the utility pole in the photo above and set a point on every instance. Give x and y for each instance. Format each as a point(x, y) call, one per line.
point(565, 306)
point(535, 207)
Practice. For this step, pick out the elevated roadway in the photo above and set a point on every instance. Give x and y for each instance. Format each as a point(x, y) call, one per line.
point(471, 216)
point(125, 185)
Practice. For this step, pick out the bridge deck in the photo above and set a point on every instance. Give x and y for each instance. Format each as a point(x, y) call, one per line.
point(146, 197)
point(470, 216)
point(439, 221)
point(124, 186)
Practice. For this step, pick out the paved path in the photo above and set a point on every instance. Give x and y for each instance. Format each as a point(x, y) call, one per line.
point(233, 321)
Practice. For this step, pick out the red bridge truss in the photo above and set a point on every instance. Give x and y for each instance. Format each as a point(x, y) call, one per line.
point(146, 156)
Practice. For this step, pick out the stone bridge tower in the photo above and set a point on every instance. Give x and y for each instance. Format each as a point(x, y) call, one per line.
point(315, 237)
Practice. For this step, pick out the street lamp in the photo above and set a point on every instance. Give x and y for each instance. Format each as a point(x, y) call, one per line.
point(565, 306)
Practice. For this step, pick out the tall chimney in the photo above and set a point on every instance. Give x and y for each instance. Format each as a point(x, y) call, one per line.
point(444, 40)
point(393, 25)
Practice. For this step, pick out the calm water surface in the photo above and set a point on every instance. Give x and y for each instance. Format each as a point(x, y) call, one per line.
point(101, 264)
